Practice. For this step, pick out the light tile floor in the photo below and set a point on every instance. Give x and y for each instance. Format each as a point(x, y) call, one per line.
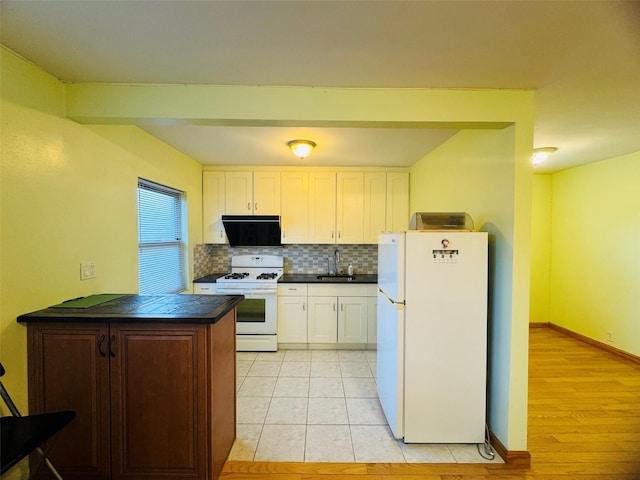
point(321, 406)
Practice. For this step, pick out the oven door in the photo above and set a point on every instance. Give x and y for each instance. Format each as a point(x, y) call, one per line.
point(257, 314)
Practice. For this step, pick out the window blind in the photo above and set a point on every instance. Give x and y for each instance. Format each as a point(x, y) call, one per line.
point(160, 243)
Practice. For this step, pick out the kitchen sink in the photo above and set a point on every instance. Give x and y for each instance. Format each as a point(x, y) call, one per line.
point(336, 278)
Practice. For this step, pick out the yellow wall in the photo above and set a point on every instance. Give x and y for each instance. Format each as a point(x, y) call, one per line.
point(86, 167)
point(540, 248)
point(68, 195)
point(595, 252)
point(475, 172)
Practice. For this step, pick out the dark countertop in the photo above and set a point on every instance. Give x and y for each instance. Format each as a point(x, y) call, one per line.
point(210, 278)
point(313, 278)
point(200, 309)
point(300, 278)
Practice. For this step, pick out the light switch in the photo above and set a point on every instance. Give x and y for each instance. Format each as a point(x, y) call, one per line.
point(87, 271)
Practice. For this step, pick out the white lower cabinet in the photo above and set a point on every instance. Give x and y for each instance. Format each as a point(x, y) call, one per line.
point(322, 320)
point(325, 313)
point(292, 313)
point(352, 319)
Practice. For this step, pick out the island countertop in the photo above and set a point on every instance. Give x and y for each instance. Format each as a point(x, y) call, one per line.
point(131, 308)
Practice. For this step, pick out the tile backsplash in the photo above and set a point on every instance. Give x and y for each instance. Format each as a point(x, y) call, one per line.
point(300, 258)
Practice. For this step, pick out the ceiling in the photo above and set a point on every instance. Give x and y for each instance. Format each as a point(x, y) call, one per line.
point(582, 58)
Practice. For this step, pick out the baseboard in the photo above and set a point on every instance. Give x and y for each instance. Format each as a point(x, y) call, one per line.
point(595, 343)
point(513, 458)
point(539, 324)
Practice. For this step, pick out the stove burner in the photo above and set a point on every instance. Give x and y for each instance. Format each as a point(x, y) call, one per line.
point(236, 276)
point(267, 276)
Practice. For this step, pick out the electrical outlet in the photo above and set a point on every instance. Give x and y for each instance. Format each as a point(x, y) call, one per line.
point(87, 271)
point(610, 336)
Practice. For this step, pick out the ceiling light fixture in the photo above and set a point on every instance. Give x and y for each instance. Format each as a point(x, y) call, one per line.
point(301, 148)
point(541, 154)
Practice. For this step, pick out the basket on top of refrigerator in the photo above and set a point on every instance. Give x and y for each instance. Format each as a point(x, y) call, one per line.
point(441, 221)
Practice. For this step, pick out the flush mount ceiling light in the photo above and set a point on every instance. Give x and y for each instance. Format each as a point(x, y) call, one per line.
point(541, 154)
point(301, 148)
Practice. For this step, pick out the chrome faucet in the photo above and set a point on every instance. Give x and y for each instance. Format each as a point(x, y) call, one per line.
point(336, 261)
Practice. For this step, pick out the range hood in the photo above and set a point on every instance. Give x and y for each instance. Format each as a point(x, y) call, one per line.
point(252, 230)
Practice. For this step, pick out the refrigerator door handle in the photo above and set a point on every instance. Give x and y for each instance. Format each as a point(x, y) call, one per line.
point(389, 299)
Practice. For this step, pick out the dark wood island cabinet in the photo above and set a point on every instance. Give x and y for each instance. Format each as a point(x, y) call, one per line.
point(152, 381)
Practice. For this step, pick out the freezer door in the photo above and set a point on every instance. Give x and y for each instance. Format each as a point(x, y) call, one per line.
point(390, 362)
point(391, 266)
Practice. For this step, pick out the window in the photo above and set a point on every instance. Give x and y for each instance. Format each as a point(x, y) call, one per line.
point(160, 245)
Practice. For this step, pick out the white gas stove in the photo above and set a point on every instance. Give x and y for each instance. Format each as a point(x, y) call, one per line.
point(255, 277)
point(252, 272)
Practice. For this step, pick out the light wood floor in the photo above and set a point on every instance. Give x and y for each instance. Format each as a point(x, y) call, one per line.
point(584, 424)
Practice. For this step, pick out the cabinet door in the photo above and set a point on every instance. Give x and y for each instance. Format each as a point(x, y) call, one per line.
point(69, 370)
point(322, 320)
point(295, 207)
point(238, 193)
point(158, 401)
point(375, 203)
point(322, 207)
point(266, 193)
point(397, 201)
point(213, 202)
point(292, 319)
point(352, 319)
point(350, 207)
point(372, 320)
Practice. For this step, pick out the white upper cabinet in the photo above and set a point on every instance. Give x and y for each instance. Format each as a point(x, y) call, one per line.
point(322, 207)
point(252, 193)
point(375, 205)
point(397, 201)
point(239, 193)
point(266, 193)
point(315, 206)
point(213, 207)
point(295, 207)
point(350, 207)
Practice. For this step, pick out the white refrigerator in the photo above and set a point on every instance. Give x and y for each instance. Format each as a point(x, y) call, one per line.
point(432, 335)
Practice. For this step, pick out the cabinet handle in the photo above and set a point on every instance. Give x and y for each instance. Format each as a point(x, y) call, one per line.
point(256, 206)
point(100, 342)
point(339, 234)
point(342, 307)
point(249, 206)
point(111, 340)
point(331, 233)
point(334, 307)
point(304, 306)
